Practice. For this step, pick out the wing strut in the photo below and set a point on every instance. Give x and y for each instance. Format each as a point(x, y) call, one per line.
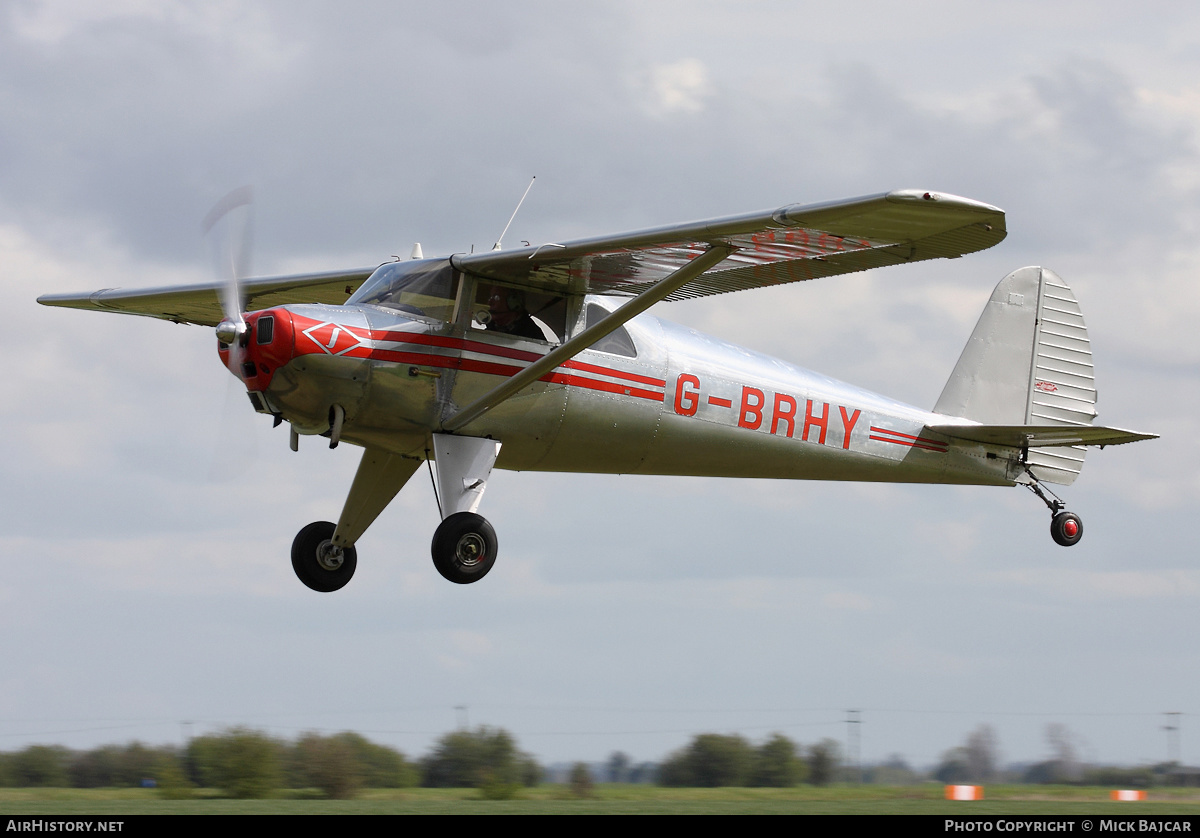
point(663, 288)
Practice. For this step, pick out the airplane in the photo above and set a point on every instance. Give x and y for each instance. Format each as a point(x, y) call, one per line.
point(544, 358)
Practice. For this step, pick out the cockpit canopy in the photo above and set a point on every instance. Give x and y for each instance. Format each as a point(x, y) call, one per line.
point(423, 287)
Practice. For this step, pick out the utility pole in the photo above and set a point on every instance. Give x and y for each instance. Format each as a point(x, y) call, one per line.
point(1172, 729)
point(461, 709)
point(853, 740)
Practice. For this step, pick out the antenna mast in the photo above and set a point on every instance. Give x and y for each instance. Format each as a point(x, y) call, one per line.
point(496, 246)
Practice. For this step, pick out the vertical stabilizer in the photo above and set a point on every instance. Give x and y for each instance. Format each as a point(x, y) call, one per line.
point(1028, 362)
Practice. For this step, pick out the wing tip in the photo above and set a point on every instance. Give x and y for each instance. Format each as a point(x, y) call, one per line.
point(928, 196)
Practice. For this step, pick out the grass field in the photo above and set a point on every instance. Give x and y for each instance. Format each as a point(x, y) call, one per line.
point(617, 799)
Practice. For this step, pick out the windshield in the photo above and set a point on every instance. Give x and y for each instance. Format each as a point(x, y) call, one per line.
point(424, 287)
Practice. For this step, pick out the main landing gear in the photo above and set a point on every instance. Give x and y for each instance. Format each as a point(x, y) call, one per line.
point(1066, 528)
point(464, 545)
point(318, 562)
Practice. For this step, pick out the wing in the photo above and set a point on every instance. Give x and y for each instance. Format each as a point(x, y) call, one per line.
point(789, 244)
point(201, 304)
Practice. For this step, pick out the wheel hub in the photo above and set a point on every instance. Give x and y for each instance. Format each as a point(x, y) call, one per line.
point(470, 550)
point(329, 556)
point(1070, 528)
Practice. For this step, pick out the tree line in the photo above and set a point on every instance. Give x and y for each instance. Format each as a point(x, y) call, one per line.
point(244, 763)
point(240, 762)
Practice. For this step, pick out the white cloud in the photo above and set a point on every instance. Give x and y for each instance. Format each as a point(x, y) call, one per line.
point(679, 87)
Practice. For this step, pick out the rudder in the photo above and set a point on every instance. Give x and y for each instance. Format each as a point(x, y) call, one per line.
point(1028, 362)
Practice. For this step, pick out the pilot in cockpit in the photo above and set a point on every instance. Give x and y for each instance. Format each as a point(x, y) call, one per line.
point(506, 307)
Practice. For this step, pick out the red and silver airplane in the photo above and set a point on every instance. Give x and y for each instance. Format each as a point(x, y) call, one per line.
point(543, 358)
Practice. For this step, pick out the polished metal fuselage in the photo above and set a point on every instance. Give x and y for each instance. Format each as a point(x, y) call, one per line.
point(687, 404)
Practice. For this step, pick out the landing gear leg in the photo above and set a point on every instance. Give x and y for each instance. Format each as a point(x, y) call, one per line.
point(1066, 528)
point(464, 544)
point(323, 554)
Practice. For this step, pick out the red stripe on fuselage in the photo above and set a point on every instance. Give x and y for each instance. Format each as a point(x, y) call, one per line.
point(606, 386)
point(516, 354)
point(506, 370)
point(908, 440)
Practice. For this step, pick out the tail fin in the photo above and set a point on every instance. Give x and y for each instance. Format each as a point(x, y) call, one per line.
point(1028, 362)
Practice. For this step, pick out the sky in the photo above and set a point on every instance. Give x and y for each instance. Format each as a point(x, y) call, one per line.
point(147, 513)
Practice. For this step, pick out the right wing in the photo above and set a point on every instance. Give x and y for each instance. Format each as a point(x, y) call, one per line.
point(201, 304)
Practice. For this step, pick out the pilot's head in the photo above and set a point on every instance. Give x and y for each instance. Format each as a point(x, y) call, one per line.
point(506, 306)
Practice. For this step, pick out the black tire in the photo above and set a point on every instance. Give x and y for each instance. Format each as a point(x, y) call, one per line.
point(464, 548)
point(308, 566)
point(1066, 529)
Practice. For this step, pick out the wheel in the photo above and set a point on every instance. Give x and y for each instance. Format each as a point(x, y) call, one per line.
point(464, 547)
point(1066, 528)
point(317, 563)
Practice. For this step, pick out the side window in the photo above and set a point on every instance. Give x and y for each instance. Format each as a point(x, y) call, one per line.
point(515, 311)
point(616, 343)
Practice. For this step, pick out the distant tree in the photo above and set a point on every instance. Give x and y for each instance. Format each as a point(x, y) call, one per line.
point(710, 760)
point(40, 765)
point(329, 764)
point(1065, 753)
point(982, 754)
point(473, 759)
point(676, 770)
point(581, 780)
point(241, 763)
point(172, 783)
point(1063, 765)
point(382, 767)
point(96, 768)
point(824, 758)
point(976, 760)
point(777, 764)
point(529, 769)
point(953, 767)
point(617, 767)
point(1041, 772)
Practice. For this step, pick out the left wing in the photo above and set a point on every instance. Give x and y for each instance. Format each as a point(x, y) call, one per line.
point(201, 304)
point(772, 247)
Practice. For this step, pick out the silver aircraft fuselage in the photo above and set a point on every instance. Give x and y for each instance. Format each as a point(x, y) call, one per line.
point(684, 404)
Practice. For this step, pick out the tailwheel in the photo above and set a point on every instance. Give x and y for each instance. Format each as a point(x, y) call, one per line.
point(1066, 528)
point(464, 547)
point(320, 564)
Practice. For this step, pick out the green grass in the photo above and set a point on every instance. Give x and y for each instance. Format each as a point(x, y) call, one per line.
point(615, 799)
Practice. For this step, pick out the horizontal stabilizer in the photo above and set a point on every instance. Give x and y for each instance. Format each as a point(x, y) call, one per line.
point(1040, 436)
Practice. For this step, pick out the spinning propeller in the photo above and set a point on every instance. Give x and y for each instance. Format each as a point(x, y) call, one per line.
point(231, 258)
